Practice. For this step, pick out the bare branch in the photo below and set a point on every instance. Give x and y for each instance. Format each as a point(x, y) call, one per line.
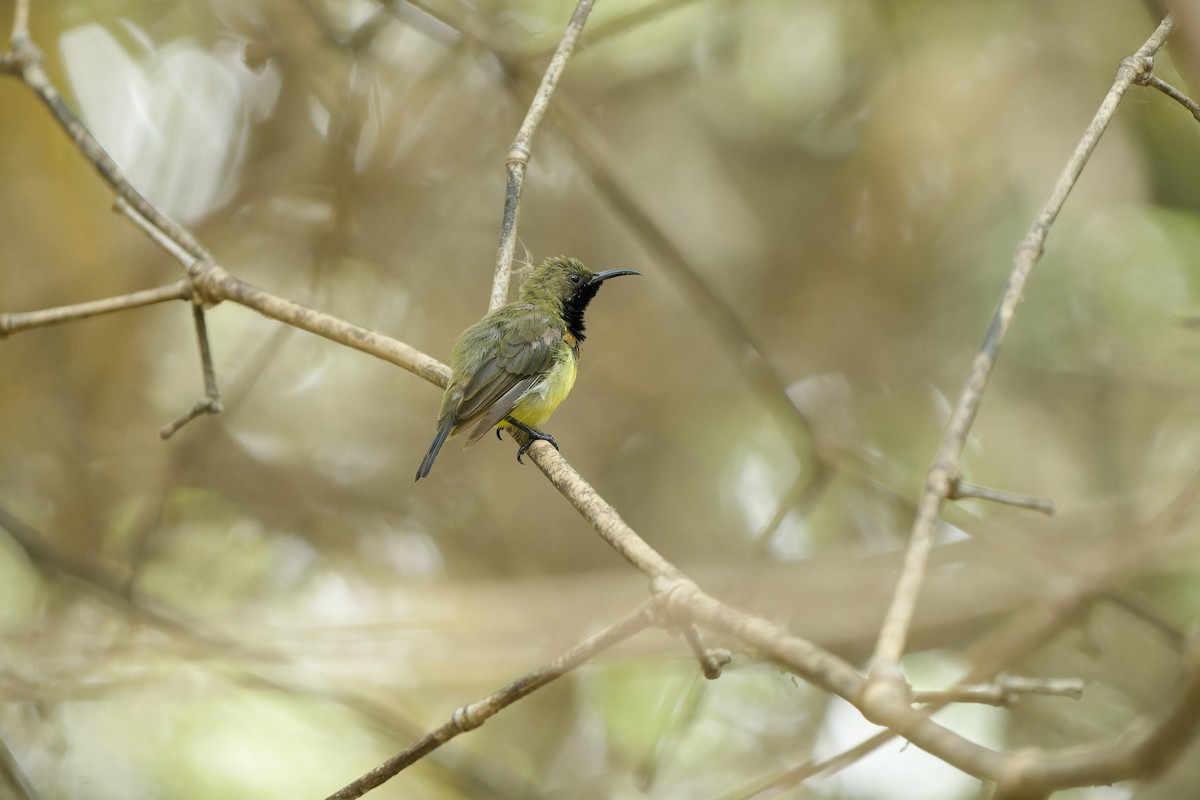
point(940, 477)
point(711, 661)
point(676, 597)
point(518, 155)
point(1146, 750)
point(961, 490)
point(146, 225)
point(603, 517)
point(1170, 91)
point(211, 402)
point(1004, 690)
point(20, 28)
point(25, 320)
point(470, 717)
point(29, 68)
point(615, 27)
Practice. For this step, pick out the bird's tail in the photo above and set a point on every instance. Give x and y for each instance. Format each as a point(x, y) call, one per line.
point(438, 441)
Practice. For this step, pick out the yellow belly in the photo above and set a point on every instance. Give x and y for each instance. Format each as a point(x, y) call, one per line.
point(536, 405)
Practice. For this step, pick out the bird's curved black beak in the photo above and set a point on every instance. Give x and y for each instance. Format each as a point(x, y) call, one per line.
point(601, 277)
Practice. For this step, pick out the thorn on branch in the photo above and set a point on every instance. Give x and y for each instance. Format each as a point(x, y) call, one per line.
point(961, 490)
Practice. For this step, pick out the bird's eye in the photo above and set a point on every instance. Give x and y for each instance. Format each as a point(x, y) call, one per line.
point(575, 277)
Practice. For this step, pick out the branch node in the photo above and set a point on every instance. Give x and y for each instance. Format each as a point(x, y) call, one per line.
point(24, 52)
point(1142, 67)
point(669, 601)
point(884, 694)
point(207, 405)
point(517, 154)
point(464, 720)
point(206, 278)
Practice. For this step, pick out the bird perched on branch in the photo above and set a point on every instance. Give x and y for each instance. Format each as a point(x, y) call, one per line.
point(513, 367)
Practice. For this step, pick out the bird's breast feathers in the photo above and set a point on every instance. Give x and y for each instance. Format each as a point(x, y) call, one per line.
point(536, 405)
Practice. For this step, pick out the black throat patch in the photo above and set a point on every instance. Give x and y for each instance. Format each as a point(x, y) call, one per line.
point(574, 306)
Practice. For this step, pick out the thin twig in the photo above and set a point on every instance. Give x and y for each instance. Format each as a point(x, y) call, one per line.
point(711, 661)
point(603, 517)
point(157, 235)
point(471, 717)
point(25, 320)
point(1148, 749)
point(1004, 690)
point(201, 406)
point(30, 70)
point(961, 490)
point(616, 26)
point(518, 155)
point(211, 402)
point(1173, 93)
point(20, 27)
point(1145, 750)
point(944, 469)
point(215, 285)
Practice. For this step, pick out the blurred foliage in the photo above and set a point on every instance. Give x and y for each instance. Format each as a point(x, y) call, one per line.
point(266, 606)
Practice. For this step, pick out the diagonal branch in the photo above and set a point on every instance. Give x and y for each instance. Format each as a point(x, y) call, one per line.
point(677, 598)
point(944, 471)
point(26, 63)
point(517, 159)
point(25, 320)
point(472, 716)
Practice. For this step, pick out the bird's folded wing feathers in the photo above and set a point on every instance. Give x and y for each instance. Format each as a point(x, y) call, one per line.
point(524, 349)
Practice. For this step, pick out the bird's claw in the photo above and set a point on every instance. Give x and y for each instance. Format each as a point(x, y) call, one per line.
point(532, 434)
point(535, 436)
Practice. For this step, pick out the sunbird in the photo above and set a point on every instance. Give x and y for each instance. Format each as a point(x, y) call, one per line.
point(513, 367)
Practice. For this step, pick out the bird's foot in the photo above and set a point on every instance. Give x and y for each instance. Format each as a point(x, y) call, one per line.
point(532, 434)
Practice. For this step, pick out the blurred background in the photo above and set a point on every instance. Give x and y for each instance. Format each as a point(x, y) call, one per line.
point(824, 197)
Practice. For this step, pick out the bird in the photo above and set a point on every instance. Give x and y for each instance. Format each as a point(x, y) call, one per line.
point(512, 368)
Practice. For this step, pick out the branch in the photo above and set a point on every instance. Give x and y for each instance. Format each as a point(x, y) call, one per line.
point(711, 661)
point(1146, 750)
point(676, 597)
point(939, 479)
point(470, 717)
point(960, 490)
point(1004, 690)
point(518, 155)
point(1171, 92)
point(26, 63)
point(25, 320)
point(211, 402)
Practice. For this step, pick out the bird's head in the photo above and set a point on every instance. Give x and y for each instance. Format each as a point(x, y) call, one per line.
point(566, 281)
point(569, 285)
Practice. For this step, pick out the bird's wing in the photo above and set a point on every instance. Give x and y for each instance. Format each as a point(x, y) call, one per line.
point(523, 350)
